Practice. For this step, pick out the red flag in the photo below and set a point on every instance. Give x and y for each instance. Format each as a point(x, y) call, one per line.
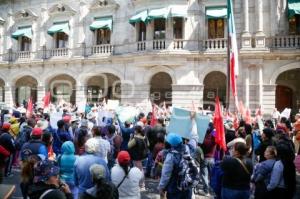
point(248, 116)
point(258, 112)
point(219, 125)
point(242, 109)
point(47, 99)
point(153, 118)
point(29, 108)
point(235, 122)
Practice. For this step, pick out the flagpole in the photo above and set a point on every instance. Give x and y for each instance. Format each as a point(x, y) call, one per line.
point(228, 63)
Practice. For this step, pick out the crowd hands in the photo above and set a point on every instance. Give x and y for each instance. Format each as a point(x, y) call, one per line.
point(83, 156)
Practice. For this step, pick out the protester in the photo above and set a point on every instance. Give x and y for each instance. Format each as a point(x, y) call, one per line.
point(126, 132)
point(262, 173)
point(7, 149)
point(102, 188)
point(34, 146)
point(47, 138)
point(82, 178)
point(103, 146)
point(283, 177)
point(126, 179)
point(296, 129)
point(170, 172)
point(66, 163)
point(61, 136)
point(266, 137)
point(138, 149)
point(237, 171)
point(47, 184)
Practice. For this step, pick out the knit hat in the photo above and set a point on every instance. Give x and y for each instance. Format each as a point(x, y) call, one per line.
point(174, 139)
point(44, 170)
point(37, 132)
point(6, 126)
point(91, 146)
point(97, 171)
point(123, 158)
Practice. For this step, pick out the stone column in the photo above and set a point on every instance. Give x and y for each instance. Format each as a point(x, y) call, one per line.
point(9, 95)
point(269, 98)
point(260, 87)
point(246, 36)
point(247, 91)
point(80, 92)
point(184, 95)
point(260, 38)
point(41, 92)
point(149, 35)
point(134, 94)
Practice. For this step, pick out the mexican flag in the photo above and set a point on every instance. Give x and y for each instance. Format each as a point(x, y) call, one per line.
point(233, 51)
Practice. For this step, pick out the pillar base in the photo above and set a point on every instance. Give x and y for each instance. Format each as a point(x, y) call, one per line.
point(260, 41)
point(246, 41)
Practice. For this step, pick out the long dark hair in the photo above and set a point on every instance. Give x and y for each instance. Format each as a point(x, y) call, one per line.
point(125, 167)
point(286, 156)
point(104, 189)
point(28, 167)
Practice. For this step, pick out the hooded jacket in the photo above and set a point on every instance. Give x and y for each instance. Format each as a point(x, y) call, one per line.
point(67, 161)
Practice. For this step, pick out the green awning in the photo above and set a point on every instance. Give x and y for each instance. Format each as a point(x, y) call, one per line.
point(102, 23)
point(216, 12)
point(178, 11)
point(293, 8)
point(161, 13)
point(59, 27)
point(22, 32)
point(140, 17)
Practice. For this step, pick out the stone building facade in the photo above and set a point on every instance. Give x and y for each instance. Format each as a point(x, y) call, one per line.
point(172, 51)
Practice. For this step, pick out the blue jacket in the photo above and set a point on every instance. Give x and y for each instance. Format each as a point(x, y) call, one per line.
point(277, 180)
point(33, 147)
point(263, 171)
point(59, 137)
point(66, 162)
point(82, 176)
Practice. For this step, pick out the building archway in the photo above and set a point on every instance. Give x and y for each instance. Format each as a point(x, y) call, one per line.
point(26, 87)
point(214, 85)
point(161, 88)
point(104, 85)
point(288, 90)
point(62, 88)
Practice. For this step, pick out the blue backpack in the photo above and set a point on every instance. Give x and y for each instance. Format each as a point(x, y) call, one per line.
point(256, 140)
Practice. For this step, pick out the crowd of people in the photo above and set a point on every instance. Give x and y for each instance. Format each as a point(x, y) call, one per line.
point(83, 159)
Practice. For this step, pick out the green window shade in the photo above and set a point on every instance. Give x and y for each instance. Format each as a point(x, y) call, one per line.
point(59, 27)
point(216, 12)
point(140, 17)
point(161, 13)
point(293, 8)
point(102, 23)
point(22, 32)
point(179, 11)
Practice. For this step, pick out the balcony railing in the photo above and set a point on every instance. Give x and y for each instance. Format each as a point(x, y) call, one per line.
point(178, 44)
point(23, 54)
point(215, 44)
point(141, 45)
point(292, 41)
point(102, 49)
point(159, 44)
point(60, 52)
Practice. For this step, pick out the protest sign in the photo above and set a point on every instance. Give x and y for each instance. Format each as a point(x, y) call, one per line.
point(81, 106)
point(182, 124)
point(126, 113)
point(54, 117)
point(202, 122)
point(112, 104)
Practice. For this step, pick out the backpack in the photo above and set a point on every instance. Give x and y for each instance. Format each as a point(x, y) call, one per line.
point(140, 149)
point(256, 140)
point(198, 156)
point(23, 137)
point(188, 175)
